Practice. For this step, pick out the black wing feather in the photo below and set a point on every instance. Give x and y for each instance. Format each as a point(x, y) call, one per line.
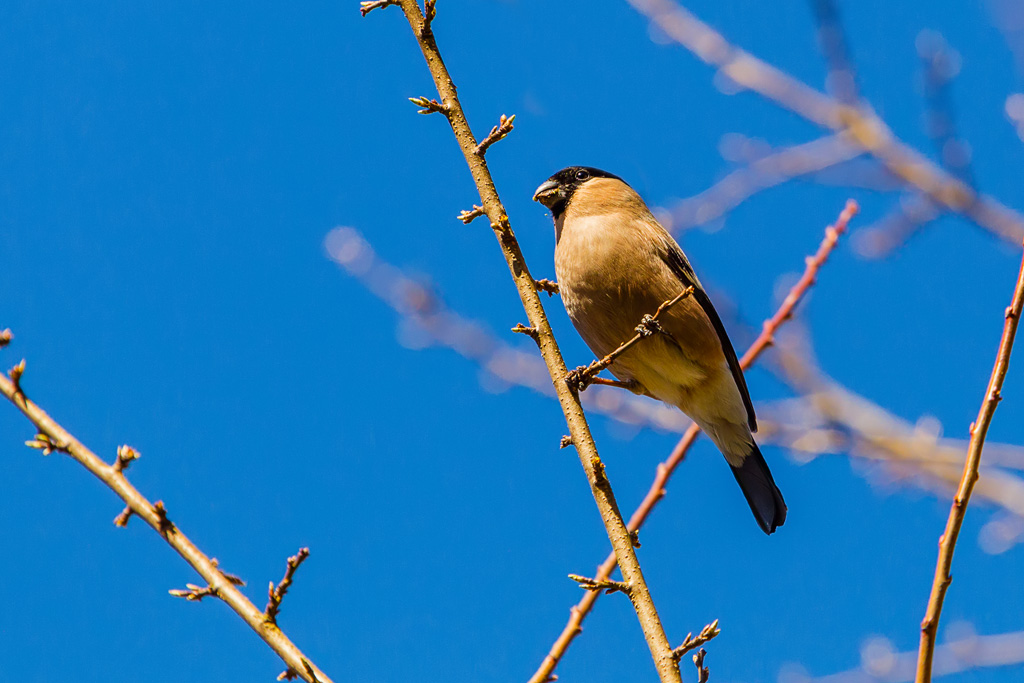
point(681, 268)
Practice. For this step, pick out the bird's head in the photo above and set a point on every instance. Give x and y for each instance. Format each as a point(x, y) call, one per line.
point(558, 190)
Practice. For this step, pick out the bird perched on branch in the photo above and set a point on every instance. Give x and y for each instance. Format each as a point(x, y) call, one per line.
point(616, 264)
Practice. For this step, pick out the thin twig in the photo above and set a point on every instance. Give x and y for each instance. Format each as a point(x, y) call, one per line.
point(618, 534)
point(864, 127)
point(606, 585)
point(467, 217)
point(155, 515)
point(702, 671)
point(550, 287)
point(125, 455)
point(665, 469)
point(692, 643)
point(276, 594)
point(582, 376)
point(367, 7)
point(499, 132)
point(979, 429)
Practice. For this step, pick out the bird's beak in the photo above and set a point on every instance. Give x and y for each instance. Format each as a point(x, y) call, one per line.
point(548, 193)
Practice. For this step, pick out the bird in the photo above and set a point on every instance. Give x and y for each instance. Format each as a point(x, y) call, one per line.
point(615, 264)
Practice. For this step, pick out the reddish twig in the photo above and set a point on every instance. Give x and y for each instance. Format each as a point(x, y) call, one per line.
point(978, 431)
point(664, 471)
point(276, 595)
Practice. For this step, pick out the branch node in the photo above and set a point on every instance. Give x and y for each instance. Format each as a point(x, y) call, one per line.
point(648, 326)
point(194, 593)
point(530, 331)
point(583, 376)
point(545, 285)
point(45, 444)
point(367, 7)
point(15, 374)
point(702, 671)
point(428, 106)
point(606, 585)
point(125, 455)
point(691, 643)
point(233, 579)
point(5, 337)
point(122, 519)
point(467, 217)
point(276, 595)
point(166, 526)
point(497, 133)
point(566, 442)
point(634, 538)
point(429, 12)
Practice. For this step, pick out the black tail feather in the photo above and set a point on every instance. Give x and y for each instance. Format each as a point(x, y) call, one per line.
point(763, 496)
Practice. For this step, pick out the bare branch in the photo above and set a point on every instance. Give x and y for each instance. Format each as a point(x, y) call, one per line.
point(429, 106)
point(42, 442)
point(367, 7)
point(194, 593)
point(606, 585)
point(276, 595)
point(863, 126)
point(498, 132)
point(155, 515)
point(579, 378)
point(122, 519)
point(618, 534)
point(15, 374)
point(702, 671)
point(545, 285)
point(529, 331)
point(125, 455)
point(978, 431)
point(692, 643)
point(468, 216)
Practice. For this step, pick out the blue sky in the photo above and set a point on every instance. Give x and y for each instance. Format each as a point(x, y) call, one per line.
point(168, 174)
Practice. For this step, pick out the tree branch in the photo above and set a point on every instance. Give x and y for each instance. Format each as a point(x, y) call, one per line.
point(582, 376)
point(979, 429)
point(657, 490)
point(276, 594)
point(862, 125)
point(155, 515)
point(654, 632)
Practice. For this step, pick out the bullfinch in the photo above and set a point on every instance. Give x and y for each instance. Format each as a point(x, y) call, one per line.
point(615, 264)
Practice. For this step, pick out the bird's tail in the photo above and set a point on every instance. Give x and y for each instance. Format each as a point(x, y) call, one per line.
point(758, 486)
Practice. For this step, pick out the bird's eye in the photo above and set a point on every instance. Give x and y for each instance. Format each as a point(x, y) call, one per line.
point(582, 174)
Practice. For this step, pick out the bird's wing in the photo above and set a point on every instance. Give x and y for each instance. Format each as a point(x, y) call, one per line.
point(681, 268)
